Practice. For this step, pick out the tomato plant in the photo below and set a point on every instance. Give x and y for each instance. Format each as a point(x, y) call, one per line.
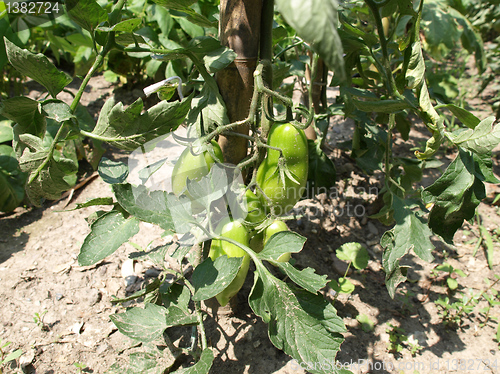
point(376, 53)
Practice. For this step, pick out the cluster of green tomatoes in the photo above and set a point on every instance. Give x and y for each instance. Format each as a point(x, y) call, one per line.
point(280, 181)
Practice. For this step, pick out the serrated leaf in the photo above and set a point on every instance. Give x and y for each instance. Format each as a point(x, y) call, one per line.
point(218, 59)
point(37, 67)
point(355, 253)
point(86, 13)
point(209, 188)
point(280, 243)
point(27, 115)
point(148, 206)
point(463, 115)
point(57, 110)
point(210, 106)
point(12, 180)
point(410, 233)
point(108, 233)
point(454, 195)
point(141, 324)
point(113, 172)
point(306, 278)
point(212, 277)
point(303, 325)
point(202, 366)
point(127, 25)
point(316, 21)
point(57, 175)
point(480, 140)
point(131, 128)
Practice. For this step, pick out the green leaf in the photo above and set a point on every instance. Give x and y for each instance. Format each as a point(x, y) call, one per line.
point(202, 366)
point(12, 356)
point(366, 323)
point(416, 67)
point(455, 195)
point(144, 325)
point(191, 15)
point(382, 106)
point(56, 176)
point(12, 180)
point(113, 172)
point(303, 325)
point(280, 243)
point(37, 67)
point(463, 115)
point(210, 106)
point(57, 110)
point(26, 113)
point(480, 140)
point(148, 206)
point(6, 133)
point(108, 233)
point(452, 283)
point(410, 233)
point(127, 25)
point(322, 174)
point(218, 59)
point(94, 202)
point(145, 363)
point(86, 13)
point(355, 253)
point(343, 285)
point(306, 278)
point(130, 127)
point(211, 278)
point(316, 21)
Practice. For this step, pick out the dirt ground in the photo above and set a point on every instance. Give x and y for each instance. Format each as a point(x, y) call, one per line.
point(57, 312)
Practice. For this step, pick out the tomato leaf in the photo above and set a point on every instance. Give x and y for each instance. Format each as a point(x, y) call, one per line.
point(343, 285)
point(144, 325)
point(318, 27)
point(280, 243)
point(306, 278)
point(481, 140)
point(202, 366)
point(129, 128)
point(211, 277)
point(37, 67)
point(11, 180)
point(208, 109)
point(148, 206)
point(113, 172)
point(108, 233)
point(57, 176)
point(86, 13)
point(26, 113)
point(455, 195)
point(463, 115)
point(303, 325)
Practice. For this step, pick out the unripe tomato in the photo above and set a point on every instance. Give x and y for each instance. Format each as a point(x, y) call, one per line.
point(293, 143)
point(193, 167)
point(273, 228)
point(236, 231)
point(256, 213)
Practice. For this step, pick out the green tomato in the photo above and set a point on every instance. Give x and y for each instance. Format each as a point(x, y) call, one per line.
point(256, 213)
point(236, 231)
point(293, 143)
point(193, 167)
point(273, 228)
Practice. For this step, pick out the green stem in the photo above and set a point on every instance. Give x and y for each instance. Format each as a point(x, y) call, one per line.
point(106, 139)
point(199, 316)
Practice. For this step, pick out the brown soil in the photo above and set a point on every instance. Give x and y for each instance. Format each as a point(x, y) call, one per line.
point(39, 274)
